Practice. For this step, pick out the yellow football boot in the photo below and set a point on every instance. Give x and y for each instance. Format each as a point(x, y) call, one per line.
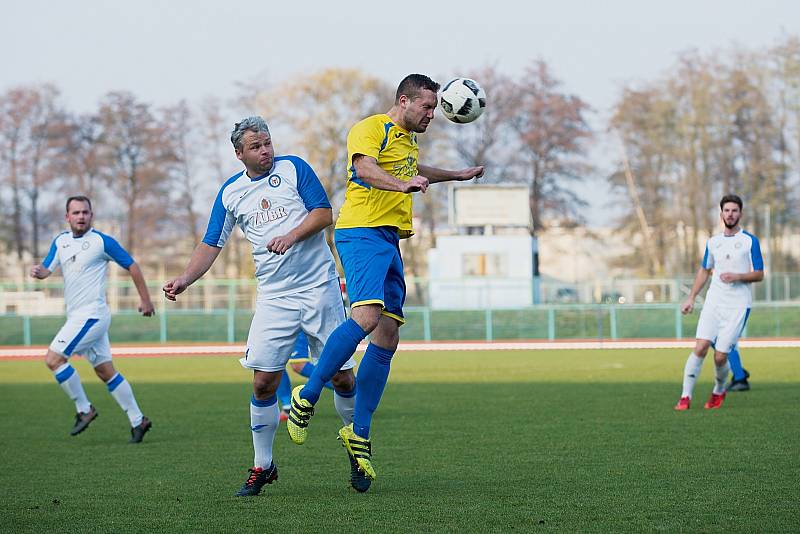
point(299, 415)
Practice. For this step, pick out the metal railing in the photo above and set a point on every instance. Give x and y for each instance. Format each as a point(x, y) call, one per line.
point(547, 322)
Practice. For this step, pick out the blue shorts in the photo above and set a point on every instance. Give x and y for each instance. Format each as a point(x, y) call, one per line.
point(373, 268)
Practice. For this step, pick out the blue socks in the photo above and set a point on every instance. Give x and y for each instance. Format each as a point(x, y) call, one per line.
point(373, 372)
point(736, 364)
point(341, 344)
point(284, 392)
point(306, 371)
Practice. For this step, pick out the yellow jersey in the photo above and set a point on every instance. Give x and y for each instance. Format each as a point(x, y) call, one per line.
point(396, 151)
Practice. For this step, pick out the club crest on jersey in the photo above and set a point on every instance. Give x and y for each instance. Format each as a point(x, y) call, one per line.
point(266, 213)
point(738, 244)
point(85, 245)
point(274, 180)
point(407, 168)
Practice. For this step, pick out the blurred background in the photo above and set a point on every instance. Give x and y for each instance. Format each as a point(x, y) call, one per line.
point(610, 134)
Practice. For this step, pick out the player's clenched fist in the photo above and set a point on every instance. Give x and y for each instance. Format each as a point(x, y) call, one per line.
point(174, 287)
point(417, 183)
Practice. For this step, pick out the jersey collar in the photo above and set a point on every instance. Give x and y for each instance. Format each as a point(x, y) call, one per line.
point(257, 178)
point(91, 229)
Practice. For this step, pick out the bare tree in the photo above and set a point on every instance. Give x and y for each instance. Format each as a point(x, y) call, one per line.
point(29, 122)
point(81, 154)
point(553, 129)
point(186, 141)
point(14, 106)
point(138, 152)
point(713, 125)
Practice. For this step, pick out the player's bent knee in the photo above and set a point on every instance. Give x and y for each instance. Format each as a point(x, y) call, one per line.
point(387, 334)
point(105, 371)
point(367, 316)
point(701, 348)
point(265, 384)
point(344, 380)
point(54, 360)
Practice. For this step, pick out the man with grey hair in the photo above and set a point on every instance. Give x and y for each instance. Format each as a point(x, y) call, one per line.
point(282, 209)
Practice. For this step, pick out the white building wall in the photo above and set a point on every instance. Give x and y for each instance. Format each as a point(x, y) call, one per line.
point(455, 265)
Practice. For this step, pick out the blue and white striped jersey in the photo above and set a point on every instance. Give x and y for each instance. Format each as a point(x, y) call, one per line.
point(270, 206)
point(739, 253)
point(84, 264)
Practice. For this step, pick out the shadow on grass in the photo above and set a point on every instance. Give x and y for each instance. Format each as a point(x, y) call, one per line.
point(474, 457)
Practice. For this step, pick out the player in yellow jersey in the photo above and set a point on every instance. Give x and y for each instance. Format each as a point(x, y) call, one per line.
point(383, 171)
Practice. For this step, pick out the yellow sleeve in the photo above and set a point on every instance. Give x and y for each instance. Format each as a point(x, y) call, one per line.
point(365, 138)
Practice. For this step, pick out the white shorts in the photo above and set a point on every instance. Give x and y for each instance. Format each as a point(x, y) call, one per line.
point(276, 323)
point(85, 336)
point(722, 326)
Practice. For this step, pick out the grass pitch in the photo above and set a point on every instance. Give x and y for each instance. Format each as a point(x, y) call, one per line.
point(463, 441)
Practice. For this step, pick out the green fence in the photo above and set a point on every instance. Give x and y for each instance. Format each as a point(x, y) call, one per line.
point(552, 322)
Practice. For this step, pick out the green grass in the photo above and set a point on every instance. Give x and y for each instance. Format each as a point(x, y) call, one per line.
point(463, 441)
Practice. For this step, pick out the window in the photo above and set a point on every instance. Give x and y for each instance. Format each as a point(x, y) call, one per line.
point(483, 264)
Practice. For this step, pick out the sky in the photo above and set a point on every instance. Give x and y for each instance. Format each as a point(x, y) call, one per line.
point(165, 51)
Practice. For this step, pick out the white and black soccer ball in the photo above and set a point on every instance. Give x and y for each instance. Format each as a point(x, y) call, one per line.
point(462, 100)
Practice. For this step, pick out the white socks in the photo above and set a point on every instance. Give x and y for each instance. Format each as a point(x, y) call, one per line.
point(692, 371)
point(264, 417)
point(720, 378)
point(121, 390)
point(345, 406)
point(690, 374)
point(70, 381)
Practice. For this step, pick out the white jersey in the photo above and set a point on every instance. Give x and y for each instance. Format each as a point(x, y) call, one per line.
point(84, 263)
point(270, 206)
point(738, 253)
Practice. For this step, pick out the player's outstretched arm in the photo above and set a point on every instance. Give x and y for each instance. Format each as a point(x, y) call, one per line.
point(368, 170)
point(316, 220)
point(201, 261)
point(40, 271)
point(436, 175)
point(699, 282)
point(145, 304)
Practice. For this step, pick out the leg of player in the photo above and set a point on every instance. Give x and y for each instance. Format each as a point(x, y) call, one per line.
point(121, 390)
point(373, 374)
point(264, 420)
point(344, 395)
point(691, 371)
point(306, 369)
point(740, 375)
point(70, 381)
point(339, 347)
point(285, 395)
point(722, 368)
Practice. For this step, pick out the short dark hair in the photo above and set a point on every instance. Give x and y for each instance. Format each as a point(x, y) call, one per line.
point(250, 124)
point(736, 199)
point(413, 84)
point(79, 198)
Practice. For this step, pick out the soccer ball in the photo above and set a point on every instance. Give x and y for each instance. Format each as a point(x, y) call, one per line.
point(462, 100)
